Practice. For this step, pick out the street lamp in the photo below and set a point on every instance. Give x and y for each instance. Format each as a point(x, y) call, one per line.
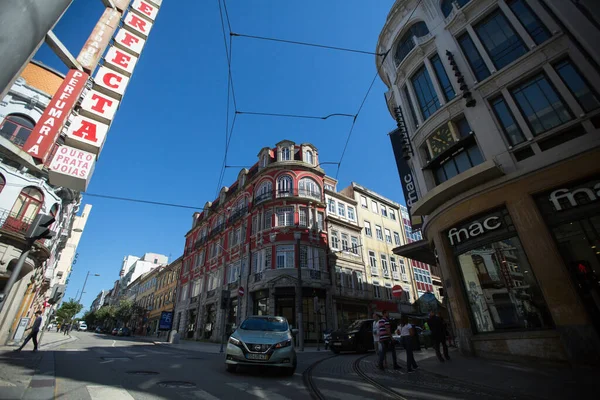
point(297, 236)
point(84, 283)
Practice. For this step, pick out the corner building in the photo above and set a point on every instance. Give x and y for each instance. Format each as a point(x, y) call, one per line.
point(254, 236)
point(497, 107)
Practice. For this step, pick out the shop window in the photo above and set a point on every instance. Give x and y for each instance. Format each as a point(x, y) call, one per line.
point(581, 90)
point(540, 104)
point(446, 5)
point(532, 24)
point(442, 78)
point(480, 69)
point(425, 92)
point(17, 128)
point(500, 39)
point(511, 129)
point(407, 43)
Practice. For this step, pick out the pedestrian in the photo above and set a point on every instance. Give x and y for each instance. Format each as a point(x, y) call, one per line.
point(407, 331)
point(376, 318)
point(35, 328)
point(385, 341)
point(438, 335)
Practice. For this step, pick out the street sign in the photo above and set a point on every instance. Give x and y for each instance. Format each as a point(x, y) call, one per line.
point(241, 291)
point(397, 291)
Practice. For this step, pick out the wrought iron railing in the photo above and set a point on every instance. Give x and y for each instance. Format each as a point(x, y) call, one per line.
point(258, 277)
point(314, 274)
point(13, 222)
point(237, 214)
point(314, 194)
point(259, 198)
point(217, 229)
point(211, 293)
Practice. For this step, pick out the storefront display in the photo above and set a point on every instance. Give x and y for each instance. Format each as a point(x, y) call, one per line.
point(500, 286)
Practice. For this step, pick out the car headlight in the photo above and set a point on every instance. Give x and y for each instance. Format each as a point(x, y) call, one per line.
point(283, 344)
point(234, 341)
point(351, 336)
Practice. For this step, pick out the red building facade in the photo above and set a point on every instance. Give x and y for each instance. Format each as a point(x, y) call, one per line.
point(249, 243)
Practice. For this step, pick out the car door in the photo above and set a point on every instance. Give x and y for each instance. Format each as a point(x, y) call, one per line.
point(366, 335)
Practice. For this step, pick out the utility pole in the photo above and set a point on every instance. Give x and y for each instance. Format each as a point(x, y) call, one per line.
point(16, 272)
point(23, 28)
point(297, 236)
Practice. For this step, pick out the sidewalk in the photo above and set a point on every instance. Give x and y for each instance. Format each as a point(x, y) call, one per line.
point(524, 379)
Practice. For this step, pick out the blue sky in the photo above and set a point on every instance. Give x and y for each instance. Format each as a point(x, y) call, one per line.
point(167, 141)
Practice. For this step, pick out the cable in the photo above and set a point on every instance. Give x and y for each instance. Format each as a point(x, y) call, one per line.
point(294, 115)
point(142, 201)
point(305, 44)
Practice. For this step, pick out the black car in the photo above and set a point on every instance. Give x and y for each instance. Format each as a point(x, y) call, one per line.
point(357, 337)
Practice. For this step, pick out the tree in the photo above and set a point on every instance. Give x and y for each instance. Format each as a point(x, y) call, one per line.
point(124, 311)
point(68, 310)
point(90, 318)
point(105, 314)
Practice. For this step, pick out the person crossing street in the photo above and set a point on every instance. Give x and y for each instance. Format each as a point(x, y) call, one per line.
point(386, 342)
point(35, 329)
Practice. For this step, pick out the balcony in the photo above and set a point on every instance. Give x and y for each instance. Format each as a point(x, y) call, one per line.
point(200, 242)
point(232, 286)
point(237, 214)
point(14, 223)
point(211, 293)
point(306, 193)
point(258, 277)
point(216, 230)
point(194, 299)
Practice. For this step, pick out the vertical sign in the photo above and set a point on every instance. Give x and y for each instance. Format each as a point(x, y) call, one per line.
point(96, 44)
point(406, 178)
point(44, 134)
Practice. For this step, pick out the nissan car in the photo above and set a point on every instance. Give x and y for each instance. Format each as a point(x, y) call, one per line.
point(262, 340)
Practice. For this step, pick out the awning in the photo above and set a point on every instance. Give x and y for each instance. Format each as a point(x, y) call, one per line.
point(419, 251)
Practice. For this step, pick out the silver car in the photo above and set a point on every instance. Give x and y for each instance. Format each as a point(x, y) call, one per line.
point(262, 340)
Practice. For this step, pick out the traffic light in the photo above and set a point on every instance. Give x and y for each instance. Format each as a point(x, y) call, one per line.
point(40, 227)
point(224, 299)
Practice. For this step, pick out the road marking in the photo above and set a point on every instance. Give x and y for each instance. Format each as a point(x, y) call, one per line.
point(113, 344)
point(201, 394)
point(258, 391)
point(102, 392)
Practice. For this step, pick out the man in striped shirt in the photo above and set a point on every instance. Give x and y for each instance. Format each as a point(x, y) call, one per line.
point(385, 339)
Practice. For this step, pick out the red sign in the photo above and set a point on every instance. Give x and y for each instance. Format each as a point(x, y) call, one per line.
point(44, 134)
point(241, 291)
point(397, 291)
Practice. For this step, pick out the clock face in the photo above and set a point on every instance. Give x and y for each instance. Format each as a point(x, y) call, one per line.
point(440, 141)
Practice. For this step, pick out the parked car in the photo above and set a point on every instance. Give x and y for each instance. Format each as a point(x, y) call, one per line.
point(82, 327)
point(98, 330)
point(357, 337)
point(115, 331)
point(262, 340)
point(124, 332)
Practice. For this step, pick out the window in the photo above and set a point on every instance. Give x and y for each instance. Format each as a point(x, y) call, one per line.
point(477, 64)
point(511, 129)
point(578, 86)
point(426, 96)
point(368, 231)
point(345, 244)
point(388, 236)
point(320, 219)
point(342, 210)
point(363, 201)
point(335, 240)
point(397, 238)
point(407, 43)
point(542, 107)
point(394, 266)
point(264, 192)
point(25, 209)
point(532, 24)
point(254, 224)
point(498, 302)
point(233, 272)
point(268, 218)
point(264, 161)
point(376, 290)
point(446, 5)
point(374, 207)
point(200, 258)
point(308, 157)
point(184, 292)
point(373, 262)
point(442, 77)
point(351, 216)
point(311, 257)
point(465, 159)
point(392, 214)
point(500, 39)
point(331, 206)
point(285, 257)
point(354, 248)
point(359, 281)
point(384, 265)
point(303, 216)
point(285, 154)
point(285, 216)
point(384, 211)
point(307, 187)
point(284, 186)
point(329, 187)
point(378, 232)
point(17, 128)
point(411, 106)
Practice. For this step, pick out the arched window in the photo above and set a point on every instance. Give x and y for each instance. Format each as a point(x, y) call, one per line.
point(264, 161)
point(25, 209)
point(285, 154)
point(309, 157)
point(308, 187)
point(264, 192)
point(446, 5)
point(406, 42)
point(2, 183)
point(17, 128)
point(284, 186)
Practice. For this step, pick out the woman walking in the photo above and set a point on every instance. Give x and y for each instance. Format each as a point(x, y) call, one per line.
point(407, 331)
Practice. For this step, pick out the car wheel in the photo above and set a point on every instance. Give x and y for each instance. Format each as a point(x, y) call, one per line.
point(231, 368)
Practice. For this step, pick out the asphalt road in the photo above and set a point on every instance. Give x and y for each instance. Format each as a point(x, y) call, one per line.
point(98, 367)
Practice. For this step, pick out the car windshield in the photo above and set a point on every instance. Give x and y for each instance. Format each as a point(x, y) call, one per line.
point(272, 324)
point(355, 325)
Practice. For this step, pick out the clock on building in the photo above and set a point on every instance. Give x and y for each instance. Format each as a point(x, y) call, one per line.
point(441, 140)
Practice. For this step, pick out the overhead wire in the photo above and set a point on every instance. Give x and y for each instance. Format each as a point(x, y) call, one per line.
point(295, 115)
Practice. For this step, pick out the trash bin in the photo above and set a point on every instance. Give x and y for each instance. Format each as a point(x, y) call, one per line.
point(174, 337)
